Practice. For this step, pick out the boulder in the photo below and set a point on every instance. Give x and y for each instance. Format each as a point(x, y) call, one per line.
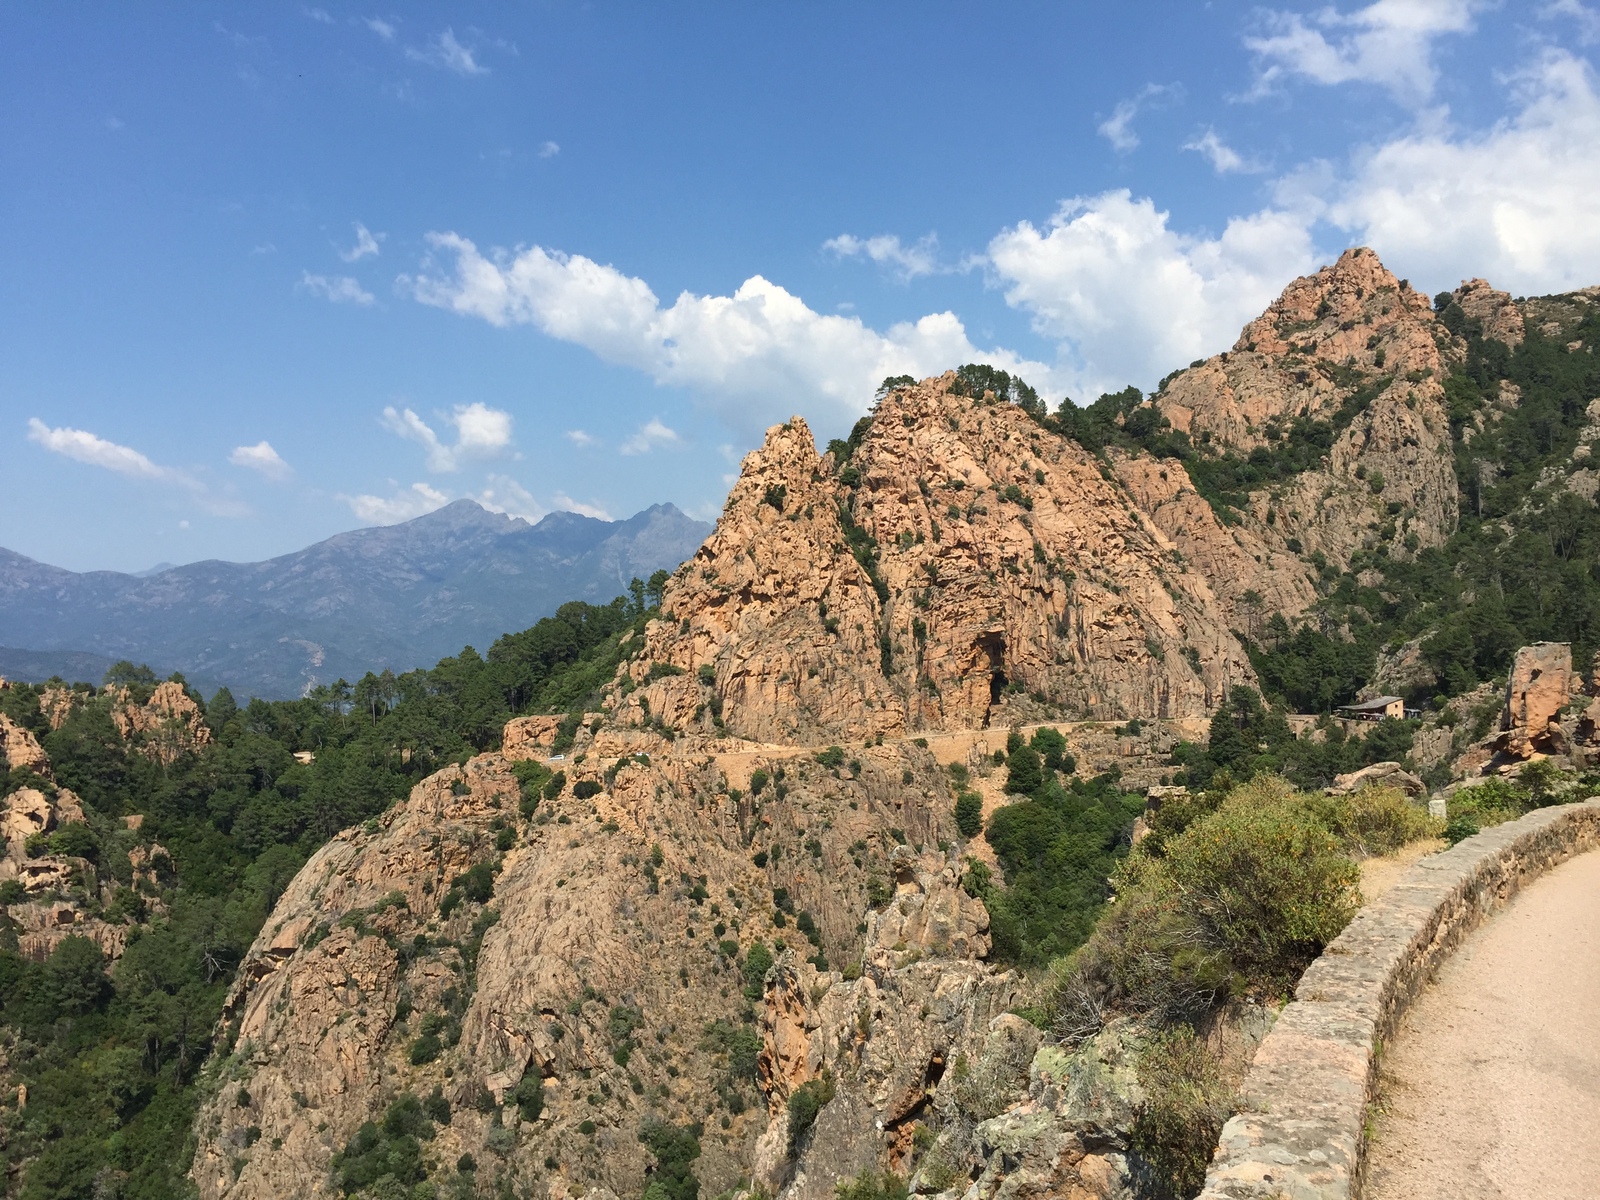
point(1385, 774)
point(1540, 686)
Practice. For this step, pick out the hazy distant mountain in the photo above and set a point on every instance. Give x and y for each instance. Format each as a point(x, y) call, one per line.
point(400, 596)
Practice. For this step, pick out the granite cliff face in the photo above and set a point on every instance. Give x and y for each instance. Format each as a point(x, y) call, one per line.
point(1355, 348)
point(619, 924)
point(964, 568)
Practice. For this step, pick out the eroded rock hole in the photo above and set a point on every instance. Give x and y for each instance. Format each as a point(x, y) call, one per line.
point(993, 647)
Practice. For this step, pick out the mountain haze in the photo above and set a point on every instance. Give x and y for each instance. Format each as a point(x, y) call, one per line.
point(397, 596)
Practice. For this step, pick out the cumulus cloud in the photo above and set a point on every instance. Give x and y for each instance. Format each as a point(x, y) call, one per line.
point(481, 432)
point(414, 501)
point(447, 53)
point(384, 29)
point(339, 289)
point(919, 258)
point(549, 149)
point(366, 243)
point(650, 435)
point(1518, 203)
point(1389, 43)
point(1118, 127)
point(263, 458)
point(566, 503)
point(85, 447)
point(756, 356)
point(1224, 159)
point(579, 438)
point(506, 495)
point(1127, 297)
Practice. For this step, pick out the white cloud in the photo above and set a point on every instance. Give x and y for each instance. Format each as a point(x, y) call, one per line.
point(919, 258)
point(415, 501)
point(549, 149)
point(1118, 127)
point(756, 357)
point(366, 243)
point(1518, 204)
point(446, 52)
point(340, 289)
point(1586, 18)
point(1127, 297)
point(506, 495)
point(650, 435)
point(566, 503)
point(481, 432)
point(579, 438)
point(263, 458)
point(1224, 159)
point(1388, 43)
point(319, 15)
point(85, 447)
point(379, 26)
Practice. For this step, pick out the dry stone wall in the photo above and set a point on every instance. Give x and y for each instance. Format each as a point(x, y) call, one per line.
point(1300, 1134)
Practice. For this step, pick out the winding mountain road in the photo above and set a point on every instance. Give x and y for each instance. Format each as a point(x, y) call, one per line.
point(1491, 1088)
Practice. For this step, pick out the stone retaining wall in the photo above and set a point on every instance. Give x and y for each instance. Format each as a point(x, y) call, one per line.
point(1301, 1131)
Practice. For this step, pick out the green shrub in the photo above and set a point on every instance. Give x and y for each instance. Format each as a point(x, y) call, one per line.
point(529, 1096)
point(586, 789)
point(969, 814)
point(390, 1147)
point(675, 1149)
point(1239, 904)
point(869, 1185)
point(805, 1102)
point(1375, 820)
point(425, 1049)
point(1186, 1101)
point(1024, 771)
point(1265, 884)
point(757, 962)
point(832, 757)
point(532, 779)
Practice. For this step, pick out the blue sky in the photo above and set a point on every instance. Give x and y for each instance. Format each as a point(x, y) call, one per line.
point(269, 272)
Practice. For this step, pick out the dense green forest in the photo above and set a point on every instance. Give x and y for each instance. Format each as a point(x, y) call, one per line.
point(113, 1062)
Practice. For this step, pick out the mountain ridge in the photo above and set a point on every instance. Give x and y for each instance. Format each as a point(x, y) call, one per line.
point(395, 596)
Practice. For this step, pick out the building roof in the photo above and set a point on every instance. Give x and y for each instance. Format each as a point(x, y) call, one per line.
point(1374, 705)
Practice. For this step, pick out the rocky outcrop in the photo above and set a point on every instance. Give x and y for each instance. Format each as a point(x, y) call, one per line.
point(600, 955)
point(1539, 687)
point(965, 565)
point(57, 703)
point(165, 727)
point(1355, 348)
point(1495, 312)
point(21, 750)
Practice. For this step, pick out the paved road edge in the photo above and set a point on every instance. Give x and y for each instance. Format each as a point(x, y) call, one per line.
point(1300, 1133)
